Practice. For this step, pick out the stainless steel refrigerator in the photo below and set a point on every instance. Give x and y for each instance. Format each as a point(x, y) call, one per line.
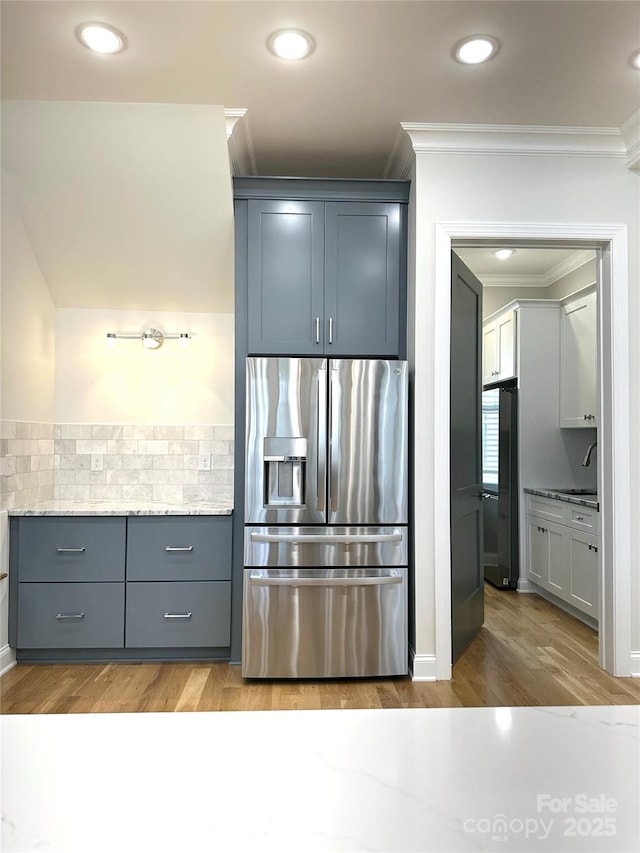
point(325, 545)
point(500, 485)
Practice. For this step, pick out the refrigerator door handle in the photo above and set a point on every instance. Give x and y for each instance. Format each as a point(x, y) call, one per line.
point(257, 580)
point(321, 462)
point(327, 539)
point(332, 453)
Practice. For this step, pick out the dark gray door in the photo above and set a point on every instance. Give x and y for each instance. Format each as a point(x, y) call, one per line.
point(467, 591)
point(362, 279)
point(285, 267)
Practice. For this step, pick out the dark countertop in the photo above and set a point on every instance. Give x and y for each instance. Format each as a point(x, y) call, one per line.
point(590, 501)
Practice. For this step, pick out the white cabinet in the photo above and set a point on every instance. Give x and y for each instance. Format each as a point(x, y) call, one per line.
point(563, 557)
point(499, 348)
point(578, 363)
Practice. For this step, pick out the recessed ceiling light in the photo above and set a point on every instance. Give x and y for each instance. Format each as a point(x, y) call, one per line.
point(476, 49)
point(635, 60)
point(100, 38)
point(503, 254)
point(290, 44)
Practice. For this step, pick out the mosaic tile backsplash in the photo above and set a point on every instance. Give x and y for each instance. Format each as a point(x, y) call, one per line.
point(114, 462)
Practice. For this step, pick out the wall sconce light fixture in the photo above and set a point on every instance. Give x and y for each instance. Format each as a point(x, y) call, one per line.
point(151, 338)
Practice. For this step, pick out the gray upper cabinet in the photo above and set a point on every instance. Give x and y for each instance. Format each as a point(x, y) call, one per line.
point(324, 276)
point(285, 268)
point(362, 279)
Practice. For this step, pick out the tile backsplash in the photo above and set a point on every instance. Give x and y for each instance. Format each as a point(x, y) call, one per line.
point(27, 463)
point(115, 462)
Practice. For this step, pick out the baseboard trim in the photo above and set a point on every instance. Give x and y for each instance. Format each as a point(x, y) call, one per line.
point(525, 585)
point(423, 667)
point(635, 665)
point(7, 659)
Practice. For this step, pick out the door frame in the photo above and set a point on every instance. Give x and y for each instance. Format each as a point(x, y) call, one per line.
point(613, 433)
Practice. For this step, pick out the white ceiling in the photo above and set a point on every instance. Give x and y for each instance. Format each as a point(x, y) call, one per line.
point(527, 267)
point(375, 64)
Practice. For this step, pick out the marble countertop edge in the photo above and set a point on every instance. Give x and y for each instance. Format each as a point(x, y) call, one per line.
point(122, 508)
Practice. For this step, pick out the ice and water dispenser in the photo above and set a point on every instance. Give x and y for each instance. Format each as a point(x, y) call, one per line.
point(285, 462)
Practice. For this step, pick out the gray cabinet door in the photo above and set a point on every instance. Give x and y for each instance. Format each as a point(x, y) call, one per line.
point(69, 548)
point(71, 615)
point(180, 548)
point(362, 279)
point(285, 277)
point(171, 615)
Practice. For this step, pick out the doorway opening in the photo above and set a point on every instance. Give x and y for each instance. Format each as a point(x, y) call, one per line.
point(610, 243)
point(538, 420)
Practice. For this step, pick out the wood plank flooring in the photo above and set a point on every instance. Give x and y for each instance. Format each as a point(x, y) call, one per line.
point(527, 653)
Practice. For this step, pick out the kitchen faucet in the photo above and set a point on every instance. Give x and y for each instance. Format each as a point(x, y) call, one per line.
point(587, 455)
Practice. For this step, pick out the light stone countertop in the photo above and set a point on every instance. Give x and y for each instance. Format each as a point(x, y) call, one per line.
point(398, 780)
point(107, 508)
point(580, 500)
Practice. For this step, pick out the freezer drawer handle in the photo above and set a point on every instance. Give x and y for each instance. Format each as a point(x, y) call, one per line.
point(177, 615)
point(71, 550)
point(70, 616)
point(179, 548)
point(337, 539)
point(260, 581)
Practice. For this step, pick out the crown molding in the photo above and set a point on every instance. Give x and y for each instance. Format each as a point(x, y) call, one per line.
point(521, 140)
point(400, 160)
point(630, 131)
point(241, 151)
point(575, 261)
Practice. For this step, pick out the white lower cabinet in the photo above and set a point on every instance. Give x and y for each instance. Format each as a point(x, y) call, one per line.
point(563, 559)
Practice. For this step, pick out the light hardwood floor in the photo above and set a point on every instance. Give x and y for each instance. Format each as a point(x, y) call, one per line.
point(527, 653)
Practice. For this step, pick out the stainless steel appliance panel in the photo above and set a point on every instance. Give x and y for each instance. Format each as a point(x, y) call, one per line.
point(325, 546)
point(368, 438)
point(331, 623)
point(286, 440)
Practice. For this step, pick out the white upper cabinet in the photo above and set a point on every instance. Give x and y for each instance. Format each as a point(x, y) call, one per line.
point(578, 363)
point(499, 348)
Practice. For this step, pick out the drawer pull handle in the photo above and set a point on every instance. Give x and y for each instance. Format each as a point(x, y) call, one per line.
point(177, 615)
point(579, 517)
point(70, 616)
point(179, 548)
point(71, 550)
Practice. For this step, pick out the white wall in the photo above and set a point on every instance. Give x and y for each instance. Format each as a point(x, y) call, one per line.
point(131, 384)
point(28, 324)
point(27, 346)
point(512, 188)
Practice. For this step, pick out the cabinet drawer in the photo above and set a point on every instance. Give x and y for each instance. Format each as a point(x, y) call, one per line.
point(546, 508)
point(70, 615)
point(72, 549)
point(562, 512)
point(178, 614)
point(582, 518)
point(180, 548)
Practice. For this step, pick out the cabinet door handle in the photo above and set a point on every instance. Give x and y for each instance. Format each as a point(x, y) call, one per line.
point(70, 616)
point(71, 550)
point(179, 548)
point(330, 330)
point(177, 615)
point(317, 330)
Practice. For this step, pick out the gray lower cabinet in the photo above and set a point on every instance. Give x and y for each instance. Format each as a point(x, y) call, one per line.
point(72, 549)
point(71, 616)
point(178, 548)
point(176, 614)
point(119, 583)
